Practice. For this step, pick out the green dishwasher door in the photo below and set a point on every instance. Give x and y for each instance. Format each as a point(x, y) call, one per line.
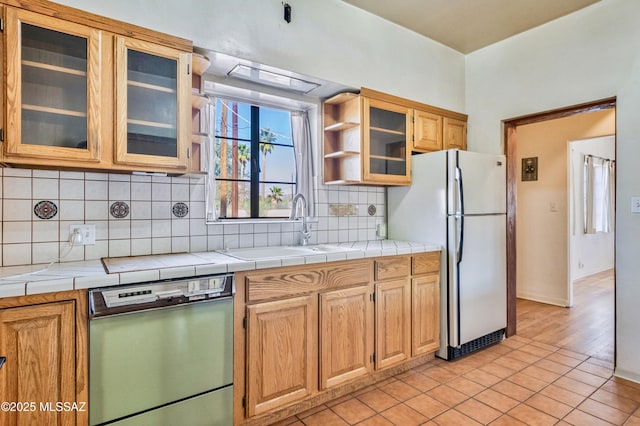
point(145, 359)
point(211, 409)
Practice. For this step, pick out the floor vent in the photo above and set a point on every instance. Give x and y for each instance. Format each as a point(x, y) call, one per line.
point(475, 345)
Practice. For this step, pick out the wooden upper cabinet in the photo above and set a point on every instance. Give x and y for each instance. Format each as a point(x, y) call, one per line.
point(387, 141)
point(281, 352)
point(346, 335)
point(153, 104)
point(53, 88)
point(455, 133)
point(369, 137)
point(427, 131)
point(93, 93)
point(39, 345)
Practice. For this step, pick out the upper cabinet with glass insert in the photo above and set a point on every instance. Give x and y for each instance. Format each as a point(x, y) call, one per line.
point(93, 93)
point(387, 136)
point(53, 88)
point(369, 137)
point(153, 104)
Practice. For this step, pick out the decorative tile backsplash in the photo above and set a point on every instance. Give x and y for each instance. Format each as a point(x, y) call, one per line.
point(140, 215)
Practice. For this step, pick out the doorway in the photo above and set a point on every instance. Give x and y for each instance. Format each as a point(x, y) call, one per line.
point(552, 207)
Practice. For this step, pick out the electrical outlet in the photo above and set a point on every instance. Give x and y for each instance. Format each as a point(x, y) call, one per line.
point(635, 204)
point(87, 234)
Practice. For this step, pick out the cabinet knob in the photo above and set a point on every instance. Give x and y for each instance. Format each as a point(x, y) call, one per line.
point(3, 359)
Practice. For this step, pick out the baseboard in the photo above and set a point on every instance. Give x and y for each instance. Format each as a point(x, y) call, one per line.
point(543, 299)
point(584, 275)
point(627, 375)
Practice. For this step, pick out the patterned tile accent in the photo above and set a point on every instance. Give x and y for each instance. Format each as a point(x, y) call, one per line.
point(45, 209)
point(371, 210)
point(119, 209)
point(180, 210)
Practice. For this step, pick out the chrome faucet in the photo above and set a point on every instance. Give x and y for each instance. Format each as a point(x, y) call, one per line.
point(305, 233)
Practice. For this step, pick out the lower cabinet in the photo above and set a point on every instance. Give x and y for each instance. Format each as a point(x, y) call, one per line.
point(42, 344)
point(309, 332)
point(281, 352)
point(393, 322)
point(425, 312)
point(346, 338)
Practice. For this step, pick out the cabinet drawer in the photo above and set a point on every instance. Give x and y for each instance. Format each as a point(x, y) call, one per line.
point(394, 267)
point(284, 282)
point(425, 263)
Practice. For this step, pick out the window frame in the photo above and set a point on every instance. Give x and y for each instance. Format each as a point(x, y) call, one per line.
point(255, 159)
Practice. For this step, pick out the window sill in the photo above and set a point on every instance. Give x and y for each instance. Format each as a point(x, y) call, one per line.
point(258, 221)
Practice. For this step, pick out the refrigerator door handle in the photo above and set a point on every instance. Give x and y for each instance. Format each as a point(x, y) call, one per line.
point(458, 178)
point(460, 240)
point(460, 214)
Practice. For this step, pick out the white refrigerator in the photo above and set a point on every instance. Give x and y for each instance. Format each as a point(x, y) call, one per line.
point(457, 199)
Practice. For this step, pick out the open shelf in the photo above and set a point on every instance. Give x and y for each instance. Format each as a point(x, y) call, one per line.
point(53, 110)
point(341, 154)
point(335, 127)
point(341, 98)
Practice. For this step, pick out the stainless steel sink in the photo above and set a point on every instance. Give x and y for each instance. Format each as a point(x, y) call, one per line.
point(279, 252)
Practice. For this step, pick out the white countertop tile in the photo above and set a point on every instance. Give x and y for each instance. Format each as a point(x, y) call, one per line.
point(139, 276)
point(49, 285)
point(10, 289)
point(32, 279)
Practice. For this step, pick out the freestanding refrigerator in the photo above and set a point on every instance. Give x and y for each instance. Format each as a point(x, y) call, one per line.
point(457, 199)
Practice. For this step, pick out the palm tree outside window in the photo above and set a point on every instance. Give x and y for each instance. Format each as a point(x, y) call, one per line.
point(255, 171)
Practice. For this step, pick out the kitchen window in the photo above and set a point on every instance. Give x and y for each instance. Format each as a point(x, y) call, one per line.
point(254, 163)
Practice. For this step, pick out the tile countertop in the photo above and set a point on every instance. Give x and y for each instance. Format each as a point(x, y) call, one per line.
point(35, 279)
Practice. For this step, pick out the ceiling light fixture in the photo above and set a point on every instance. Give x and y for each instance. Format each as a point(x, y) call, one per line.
point(270, 78)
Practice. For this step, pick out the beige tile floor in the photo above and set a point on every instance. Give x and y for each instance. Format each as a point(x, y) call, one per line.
point(517, 382)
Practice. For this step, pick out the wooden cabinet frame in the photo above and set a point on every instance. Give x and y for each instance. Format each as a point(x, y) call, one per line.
point(14, 106)
point(183, 106)
point(102, 152)
point(71, 308)
point(342, 296)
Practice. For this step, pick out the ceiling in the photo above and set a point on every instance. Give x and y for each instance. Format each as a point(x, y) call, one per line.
point(468, 25)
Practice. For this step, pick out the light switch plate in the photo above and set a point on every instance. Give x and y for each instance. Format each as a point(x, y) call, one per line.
point(635, 204)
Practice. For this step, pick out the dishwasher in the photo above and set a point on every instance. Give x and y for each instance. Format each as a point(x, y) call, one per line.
point(161, 353)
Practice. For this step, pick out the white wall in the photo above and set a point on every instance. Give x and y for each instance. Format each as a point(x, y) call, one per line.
point(590, 253)
point(328, 39)
point(588, 55)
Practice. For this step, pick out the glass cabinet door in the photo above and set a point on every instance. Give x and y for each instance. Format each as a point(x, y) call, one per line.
point(53, 87)
point(387, 138)
point(152, 104)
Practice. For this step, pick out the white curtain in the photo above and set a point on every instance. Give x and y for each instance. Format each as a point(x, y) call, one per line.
point(210, 156)
point(302, 147)
point(599, 190)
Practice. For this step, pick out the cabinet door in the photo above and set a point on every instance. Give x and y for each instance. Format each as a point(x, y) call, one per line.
point(425, 314)
point(455, 133)
point(281, 353)
point(393, 326)
point(53, 88)
point(346, 335)
point(427, 131)
point(39, 345)
point(387, 140)
point(153, 104)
